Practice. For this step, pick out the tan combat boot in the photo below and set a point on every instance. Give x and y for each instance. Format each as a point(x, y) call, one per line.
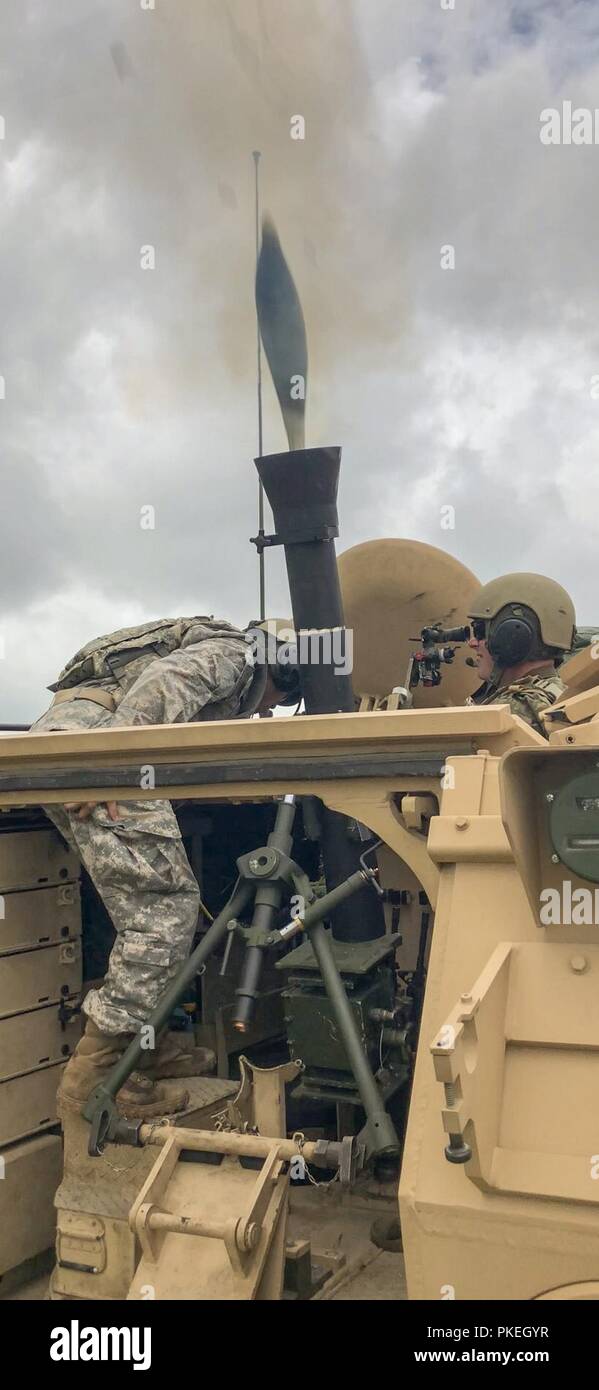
point(139, 1099)
point(177, 1056)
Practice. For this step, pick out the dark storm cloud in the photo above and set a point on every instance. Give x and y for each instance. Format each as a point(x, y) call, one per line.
point(128, 388)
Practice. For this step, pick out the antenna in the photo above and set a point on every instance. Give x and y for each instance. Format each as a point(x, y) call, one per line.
point(256, 158)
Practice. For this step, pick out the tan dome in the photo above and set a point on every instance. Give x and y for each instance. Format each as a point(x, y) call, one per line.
point(391, 590)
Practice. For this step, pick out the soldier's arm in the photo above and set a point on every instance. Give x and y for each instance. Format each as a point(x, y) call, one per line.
point(174, 689)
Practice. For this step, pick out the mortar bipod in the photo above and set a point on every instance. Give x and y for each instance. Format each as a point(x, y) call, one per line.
point(263, 875)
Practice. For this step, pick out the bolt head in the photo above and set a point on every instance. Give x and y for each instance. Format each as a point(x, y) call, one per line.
point(555, 859)
point(579, 964)
point(252, 1236)
point(550, 797)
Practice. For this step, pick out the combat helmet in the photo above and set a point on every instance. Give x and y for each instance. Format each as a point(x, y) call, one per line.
point(526, 617)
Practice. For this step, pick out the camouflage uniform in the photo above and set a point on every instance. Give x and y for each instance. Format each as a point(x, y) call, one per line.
point(527, 696)
point(138, 863)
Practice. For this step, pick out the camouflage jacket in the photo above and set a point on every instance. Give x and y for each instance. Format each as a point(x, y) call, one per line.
point(206, 673)
point(526, 697)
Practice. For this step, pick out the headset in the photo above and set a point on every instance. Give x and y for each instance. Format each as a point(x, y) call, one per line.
point(514, 635)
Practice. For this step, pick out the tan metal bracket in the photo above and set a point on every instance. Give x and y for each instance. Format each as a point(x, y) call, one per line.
point(510, 1055)
point(152, 1221)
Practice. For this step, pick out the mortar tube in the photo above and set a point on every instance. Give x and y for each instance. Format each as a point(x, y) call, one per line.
point(301, 487)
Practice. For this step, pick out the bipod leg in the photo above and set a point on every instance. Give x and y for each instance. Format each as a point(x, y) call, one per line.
point(379, 1134)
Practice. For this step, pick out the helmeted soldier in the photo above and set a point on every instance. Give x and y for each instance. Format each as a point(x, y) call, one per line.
point(166, 672)
point(523, 626)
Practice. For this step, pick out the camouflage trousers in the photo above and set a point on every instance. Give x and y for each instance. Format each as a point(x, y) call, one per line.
point(140, 869)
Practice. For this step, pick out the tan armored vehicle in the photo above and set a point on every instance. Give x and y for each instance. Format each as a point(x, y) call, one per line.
point(446, 1030)
point(395, 964)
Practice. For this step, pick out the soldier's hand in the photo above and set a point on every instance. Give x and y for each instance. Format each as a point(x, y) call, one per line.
point(85, 809)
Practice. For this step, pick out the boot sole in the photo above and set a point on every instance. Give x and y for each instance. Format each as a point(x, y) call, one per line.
point(181, 1070)
point(73, 1105)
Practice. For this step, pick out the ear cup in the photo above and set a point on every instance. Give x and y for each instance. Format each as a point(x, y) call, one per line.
point(511, 640)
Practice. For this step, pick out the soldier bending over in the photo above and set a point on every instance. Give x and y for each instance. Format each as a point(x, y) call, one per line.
point(167, 672)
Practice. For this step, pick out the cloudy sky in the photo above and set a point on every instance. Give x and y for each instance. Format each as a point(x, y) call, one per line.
point(125, 388)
